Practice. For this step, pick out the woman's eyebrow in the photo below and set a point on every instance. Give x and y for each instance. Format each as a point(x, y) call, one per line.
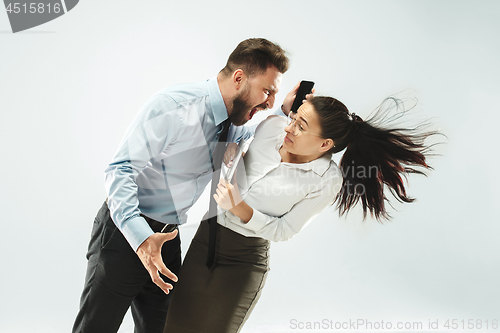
point(304, 121)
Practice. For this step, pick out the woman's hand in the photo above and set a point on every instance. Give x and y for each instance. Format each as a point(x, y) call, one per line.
point(227, 196)
point(288, 102)
point(230, 154)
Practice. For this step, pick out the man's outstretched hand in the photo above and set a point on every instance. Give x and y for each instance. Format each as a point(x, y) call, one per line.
point(149, 253)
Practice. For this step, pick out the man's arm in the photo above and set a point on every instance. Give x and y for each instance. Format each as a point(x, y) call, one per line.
point(153, 129)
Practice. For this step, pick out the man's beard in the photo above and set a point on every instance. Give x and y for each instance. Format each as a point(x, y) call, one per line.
point(240, 108)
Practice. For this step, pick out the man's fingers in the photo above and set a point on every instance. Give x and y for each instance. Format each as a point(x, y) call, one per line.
point(166, 287)
point(152, 268)
point(149, 253)
point(159, 265)
point(169, 235)
point(165, 271)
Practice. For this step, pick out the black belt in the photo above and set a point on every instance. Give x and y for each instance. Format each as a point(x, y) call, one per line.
point(159, 226)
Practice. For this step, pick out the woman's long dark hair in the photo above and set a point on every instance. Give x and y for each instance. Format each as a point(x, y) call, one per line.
point(375, 155)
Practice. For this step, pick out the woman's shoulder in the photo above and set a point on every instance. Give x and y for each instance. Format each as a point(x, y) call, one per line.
point(334, 171)
point(328, 178)
point(333, 178)
point(325, 168)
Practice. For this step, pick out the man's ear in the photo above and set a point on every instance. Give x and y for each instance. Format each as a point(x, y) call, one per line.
point(239, 78)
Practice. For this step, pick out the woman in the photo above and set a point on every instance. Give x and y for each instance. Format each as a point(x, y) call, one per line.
point(289, 178)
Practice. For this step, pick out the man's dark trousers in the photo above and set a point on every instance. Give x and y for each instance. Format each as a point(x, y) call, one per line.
point(116, 280)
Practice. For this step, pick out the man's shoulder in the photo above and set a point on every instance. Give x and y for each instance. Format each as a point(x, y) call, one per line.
point(185, 92)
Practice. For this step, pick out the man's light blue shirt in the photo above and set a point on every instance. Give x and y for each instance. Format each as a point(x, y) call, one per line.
point(164, 161)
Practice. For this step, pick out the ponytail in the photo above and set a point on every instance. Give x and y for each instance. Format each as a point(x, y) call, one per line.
point(374, 154)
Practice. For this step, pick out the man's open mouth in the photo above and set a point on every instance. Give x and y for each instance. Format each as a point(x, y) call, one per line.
point(251, 114)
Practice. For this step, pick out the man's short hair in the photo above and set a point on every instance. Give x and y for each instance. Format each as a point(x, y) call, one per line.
point(254, 56)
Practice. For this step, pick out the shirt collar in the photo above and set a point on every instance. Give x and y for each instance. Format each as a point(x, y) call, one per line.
point(217, 102)
point(319, 165)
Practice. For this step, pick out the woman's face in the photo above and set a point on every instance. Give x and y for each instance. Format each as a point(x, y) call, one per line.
point(303, 135)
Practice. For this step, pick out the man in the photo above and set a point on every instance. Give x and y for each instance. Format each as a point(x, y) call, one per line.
point(160, 169)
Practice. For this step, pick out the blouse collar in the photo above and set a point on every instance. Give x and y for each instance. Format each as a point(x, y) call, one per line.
point(319, 165)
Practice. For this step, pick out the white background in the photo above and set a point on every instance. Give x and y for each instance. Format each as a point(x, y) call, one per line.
point(69, 88)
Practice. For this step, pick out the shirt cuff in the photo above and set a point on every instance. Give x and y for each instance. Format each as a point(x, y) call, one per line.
point(257, 222)
point(136, 231)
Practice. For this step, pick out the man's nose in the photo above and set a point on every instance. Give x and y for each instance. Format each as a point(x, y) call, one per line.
point(270, 101)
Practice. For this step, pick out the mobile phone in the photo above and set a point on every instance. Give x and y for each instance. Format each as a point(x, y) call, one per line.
point(304, 89)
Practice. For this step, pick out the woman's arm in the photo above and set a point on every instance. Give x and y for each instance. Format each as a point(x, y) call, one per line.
point(277, 228)
point(228, 197)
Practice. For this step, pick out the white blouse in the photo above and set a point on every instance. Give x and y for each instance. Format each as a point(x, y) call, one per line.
point(285, 197)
